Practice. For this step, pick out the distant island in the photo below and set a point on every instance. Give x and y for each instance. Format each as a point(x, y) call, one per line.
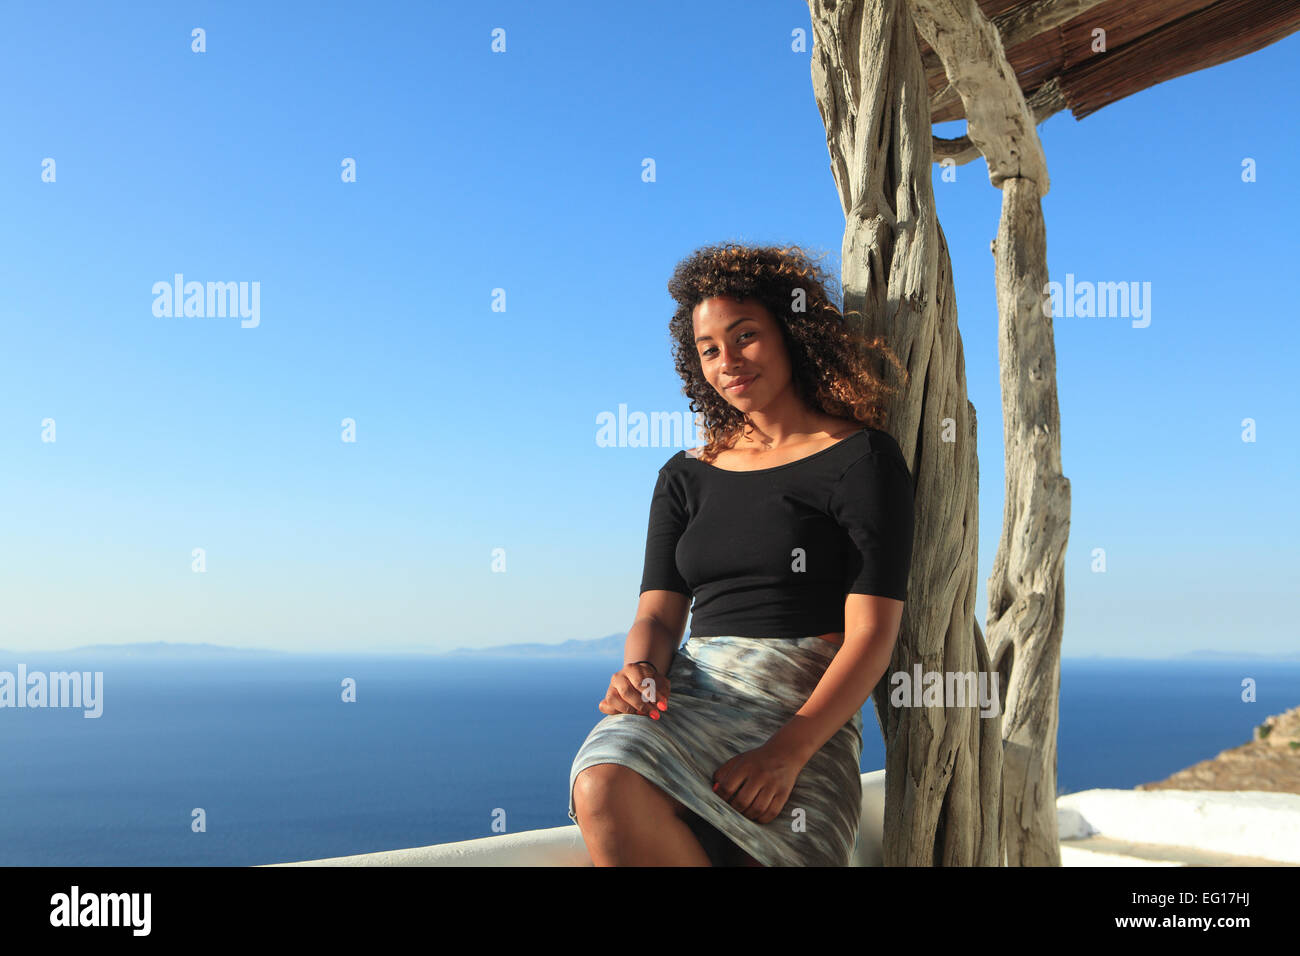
point(1237, 655)
point(607, 646)
point(611, 645)
point(597, 647)
point(156, 649)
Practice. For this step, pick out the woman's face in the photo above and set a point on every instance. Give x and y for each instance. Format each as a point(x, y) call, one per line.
point(740, 344)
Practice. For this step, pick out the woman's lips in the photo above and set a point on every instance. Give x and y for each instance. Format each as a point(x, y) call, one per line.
point(742, 385)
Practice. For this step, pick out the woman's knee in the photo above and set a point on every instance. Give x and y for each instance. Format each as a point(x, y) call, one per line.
point(607, 789)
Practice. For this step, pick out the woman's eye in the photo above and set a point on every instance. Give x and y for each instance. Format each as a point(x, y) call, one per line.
point(713, 348)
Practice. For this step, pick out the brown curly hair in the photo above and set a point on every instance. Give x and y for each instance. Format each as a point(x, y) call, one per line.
point(830, 364)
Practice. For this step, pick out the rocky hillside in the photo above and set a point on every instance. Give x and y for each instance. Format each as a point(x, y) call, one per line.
point(1271, 761)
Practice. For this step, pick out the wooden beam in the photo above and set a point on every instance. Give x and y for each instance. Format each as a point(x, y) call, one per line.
point(1023, 23)
point(1046, 101)
point(1209, 36)
point(998, 120)
point(1016, 26)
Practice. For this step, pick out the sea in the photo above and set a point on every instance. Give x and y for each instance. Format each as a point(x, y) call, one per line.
point(238, 761)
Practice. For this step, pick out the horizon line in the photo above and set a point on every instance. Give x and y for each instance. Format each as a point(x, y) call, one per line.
point(227, 648)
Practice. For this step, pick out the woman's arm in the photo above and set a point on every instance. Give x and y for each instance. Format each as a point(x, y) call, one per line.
point(657, 631)
point(870, 630)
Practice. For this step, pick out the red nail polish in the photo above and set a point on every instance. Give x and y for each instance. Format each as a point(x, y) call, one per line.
point(663, 705)
point(715, 786)
point(654, 715)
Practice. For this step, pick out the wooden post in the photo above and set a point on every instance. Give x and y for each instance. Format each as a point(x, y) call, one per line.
point(943, 765)
point(1027, 583)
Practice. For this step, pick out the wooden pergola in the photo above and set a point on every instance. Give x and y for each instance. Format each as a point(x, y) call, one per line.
point(1050, 48)
point(960, 790)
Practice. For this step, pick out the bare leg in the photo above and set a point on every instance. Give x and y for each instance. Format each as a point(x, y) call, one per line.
point(628, 821)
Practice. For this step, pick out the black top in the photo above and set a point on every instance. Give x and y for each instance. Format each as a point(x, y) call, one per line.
point(772, 552)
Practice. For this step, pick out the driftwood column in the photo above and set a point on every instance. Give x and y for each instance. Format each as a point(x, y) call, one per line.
point(943, 764)
point(1027, 585)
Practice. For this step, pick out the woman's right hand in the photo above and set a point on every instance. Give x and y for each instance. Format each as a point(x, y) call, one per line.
point(636, 689)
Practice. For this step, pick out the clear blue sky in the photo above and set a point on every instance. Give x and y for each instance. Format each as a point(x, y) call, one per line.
point(476, 429)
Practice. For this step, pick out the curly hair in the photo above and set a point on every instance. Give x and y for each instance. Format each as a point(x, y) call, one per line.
point(830, 364)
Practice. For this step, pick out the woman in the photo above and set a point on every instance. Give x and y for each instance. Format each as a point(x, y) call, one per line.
point(792, 530)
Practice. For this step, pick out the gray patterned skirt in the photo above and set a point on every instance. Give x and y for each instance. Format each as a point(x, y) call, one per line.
point(728, 695)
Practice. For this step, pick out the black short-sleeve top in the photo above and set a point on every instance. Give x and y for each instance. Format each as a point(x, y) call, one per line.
point(774, 551)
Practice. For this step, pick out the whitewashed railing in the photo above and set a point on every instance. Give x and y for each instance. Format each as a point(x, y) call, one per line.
point(1096, 828)
point(563, 846)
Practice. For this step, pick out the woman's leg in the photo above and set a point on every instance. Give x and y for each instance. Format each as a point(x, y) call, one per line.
point(628, 821)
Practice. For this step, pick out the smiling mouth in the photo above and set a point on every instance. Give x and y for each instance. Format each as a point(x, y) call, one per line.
point(742, 384)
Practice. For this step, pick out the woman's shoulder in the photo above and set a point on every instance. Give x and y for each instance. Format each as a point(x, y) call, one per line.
point(675, 460)
point(866, 437)
point(878, 453)
point(881, 440)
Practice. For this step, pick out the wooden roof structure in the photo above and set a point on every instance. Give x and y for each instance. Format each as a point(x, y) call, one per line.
point(1049, 45)
point(884, 71)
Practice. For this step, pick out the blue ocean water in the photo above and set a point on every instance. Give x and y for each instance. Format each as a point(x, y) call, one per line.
point(433, 749)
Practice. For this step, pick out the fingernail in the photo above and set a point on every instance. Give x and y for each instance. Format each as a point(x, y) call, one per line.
point(715, 786)
point(663, 705)
point(654, 715)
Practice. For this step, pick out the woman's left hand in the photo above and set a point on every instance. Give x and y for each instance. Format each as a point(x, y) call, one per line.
point(758, 782)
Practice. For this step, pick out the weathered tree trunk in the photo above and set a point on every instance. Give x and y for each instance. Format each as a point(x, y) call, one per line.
point(943, 765)
point(1027, 584)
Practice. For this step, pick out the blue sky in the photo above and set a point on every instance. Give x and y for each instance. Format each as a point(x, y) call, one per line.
point(476, 428)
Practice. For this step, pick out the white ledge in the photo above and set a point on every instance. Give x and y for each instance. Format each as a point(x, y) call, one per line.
point(1249, 823)
point(1238, 823)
